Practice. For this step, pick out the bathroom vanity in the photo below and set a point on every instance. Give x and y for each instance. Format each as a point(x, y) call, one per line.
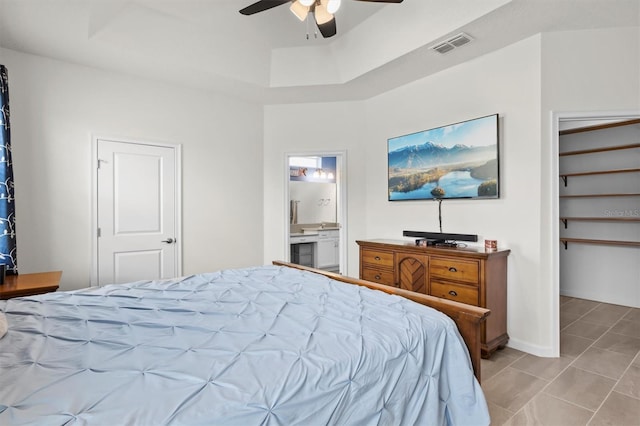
point(316, 246)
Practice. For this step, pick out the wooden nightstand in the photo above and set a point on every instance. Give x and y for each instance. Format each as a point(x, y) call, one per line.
point(29, 284)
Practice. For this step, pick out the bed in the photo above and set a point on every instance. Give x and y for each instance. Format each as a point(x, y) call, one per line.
point(274, 345)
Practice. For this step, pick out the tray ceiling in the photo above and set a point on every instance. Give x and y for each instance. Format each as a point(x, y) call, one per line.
point(272, 57)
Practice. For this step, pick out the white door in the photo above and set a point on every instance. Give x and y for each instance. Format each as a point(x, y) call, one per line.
point(136, 212)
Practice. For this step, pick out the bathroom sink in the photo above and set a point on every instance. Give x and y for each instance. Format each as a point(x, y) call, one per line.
point(313, 229)
point(320, 228)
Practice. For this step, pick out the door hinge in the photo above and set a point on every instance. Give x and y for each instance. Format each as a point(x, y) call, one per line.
point(99, 233)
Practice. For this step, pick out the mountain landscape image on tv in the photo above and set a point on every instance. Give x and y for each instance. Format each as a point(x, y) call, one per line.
point(454, 161)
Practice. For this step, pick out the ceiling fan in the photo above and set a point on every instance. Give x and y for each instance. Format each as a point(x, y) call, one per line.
point(323, 11)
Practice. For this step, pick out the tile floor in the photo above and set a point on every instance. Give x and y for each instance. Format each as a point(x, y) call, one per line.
point(596, 380)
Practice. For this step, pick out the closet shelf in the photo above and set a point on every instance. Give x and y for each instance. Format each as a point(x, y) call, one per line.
point(604, 149)
point(564, 176)
point(566, 241)
point(598, 219)
point(621, 147)
point(599, 127)
point(599, 195)
point(601, 172)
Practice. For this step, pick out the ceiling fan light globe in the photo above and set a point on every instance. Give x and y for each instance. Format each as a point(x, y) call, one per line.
point(306, 3)
point(333, 6)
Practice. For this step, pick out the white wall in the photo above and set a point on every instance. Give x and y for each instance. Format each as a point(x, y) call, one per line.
point(56, 107)
point(312, 128)
point(523, 83)
point(506, 82)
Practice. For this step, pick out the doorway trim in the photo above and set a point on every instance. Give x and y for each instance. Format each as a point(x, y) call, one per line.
point(341, 207)
point(94, 199)
point(556, 119)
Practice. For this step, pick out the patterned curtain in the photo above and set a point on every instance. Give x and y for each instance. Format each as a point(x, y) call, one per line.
point(7, 200)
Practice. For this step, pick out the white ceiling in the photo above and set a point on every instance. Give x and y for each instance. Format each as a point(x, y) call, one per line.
point(267, 57)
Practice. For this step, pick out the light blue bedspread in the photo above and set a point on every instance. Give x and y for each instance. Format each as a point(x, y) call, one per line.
point(268, 345)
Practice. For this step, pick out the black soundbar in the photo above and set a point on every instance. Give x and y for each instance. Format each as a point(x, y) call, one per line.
point(440, 236)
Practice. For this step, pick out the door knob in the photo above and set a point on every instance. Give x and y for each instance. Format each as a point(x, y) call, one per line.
point(168, 241)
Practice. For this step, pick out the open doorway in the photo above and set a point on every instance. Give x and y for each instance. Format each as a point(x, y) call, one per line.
point(583, 222)
point(316, 228)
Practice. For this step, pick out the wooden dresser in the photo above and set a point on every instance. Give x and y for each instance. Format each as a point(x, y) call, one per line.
point(468, 275)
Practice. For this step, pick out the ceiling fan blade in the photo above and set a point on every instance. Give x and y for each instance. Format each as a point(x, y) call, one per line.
point(382, 1)
point(328, 29)
point(261, 6)
point(325, 21)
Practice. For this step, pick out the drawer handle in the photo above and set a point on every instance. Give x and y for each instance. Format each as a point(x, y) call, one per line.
point(378, 277)
point(453, 293)
point(452, 269)
point(377, 258)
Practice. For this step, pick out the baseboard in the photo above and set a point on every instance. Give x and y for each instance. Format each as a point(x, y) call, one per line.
point(541, 351)
point(611, 298)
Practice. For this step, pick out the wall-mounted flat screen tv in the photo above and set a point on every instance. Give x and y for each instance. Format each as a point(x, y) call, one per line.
point(458, 160)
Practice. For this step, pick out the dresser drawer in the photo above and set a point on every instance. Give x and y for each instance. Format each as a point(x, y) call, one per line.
point(455, 269)
point(378, 276)
point(377, 258)
point(459, 293)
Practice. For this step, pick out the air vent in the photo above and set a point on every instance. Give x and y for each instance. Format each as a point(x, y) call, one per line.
point(443, 48)
point(460, 40)
point(454, 42)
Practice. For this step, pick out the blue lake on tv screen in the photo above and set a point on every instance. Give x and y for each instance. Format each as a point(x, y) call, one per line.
point(456, 184)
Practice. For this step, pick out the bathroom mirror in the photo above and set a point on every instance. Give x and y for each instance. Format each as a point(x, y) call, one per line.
point(313, 202)
point(312, 190)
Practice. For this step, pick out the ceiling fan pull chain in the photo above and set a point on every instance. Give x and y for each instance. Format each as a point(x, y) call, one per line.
point(307, 22)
